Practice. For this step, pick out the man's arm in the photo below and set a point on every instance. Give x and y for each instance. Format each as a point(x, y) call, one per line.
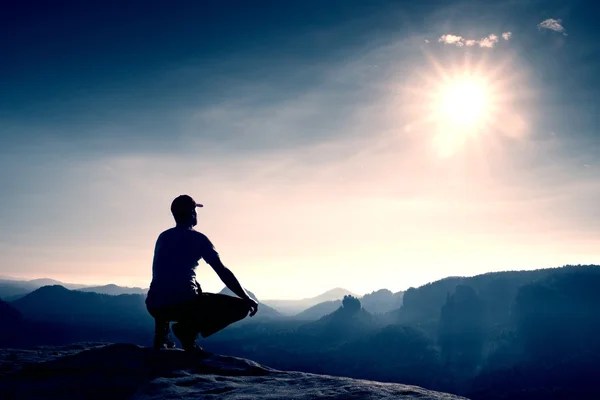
point(232, 283)
point(228, 278)
point(212, 258)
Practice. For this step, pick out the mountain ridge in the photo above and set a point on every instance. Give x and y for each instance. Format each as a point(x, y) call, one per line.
point(114, 290)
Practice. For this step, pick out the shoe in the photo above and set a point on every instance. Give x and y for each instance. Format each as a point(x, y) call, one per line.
point(197, 350)
point(164, 343)
point(161, 335)
point(187, 339)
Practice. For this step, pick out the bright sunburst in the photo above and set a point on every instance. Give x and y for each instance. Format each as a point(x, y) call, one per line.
point(458, 104)
point(463, 102)
point(462, 106)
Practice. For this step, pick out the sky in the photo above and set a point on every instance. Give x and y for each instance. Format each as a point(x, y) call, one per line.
point(354, 144)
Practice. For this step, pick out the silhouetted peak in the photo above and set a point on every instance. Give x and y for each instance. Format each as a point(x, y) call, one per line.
point(345, 322)
point(351, 303)
point(44, 296)
point(51, 289)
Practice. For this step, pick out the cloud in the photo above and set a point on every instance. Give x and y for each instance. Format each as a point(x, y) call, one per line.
point(451, 39)
point(487, 42)
point(553, 25)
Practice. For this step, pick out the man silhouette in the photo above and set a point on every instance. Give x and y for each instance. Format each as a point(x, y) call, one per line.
point(174, 293)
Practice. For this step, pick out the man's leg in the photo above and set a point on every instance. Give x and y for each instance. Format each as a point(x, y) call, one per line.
point(186, 333)
point(161, 334)
point(161, 328)
point(217, 311)
point(187, 327)
point(207, 315)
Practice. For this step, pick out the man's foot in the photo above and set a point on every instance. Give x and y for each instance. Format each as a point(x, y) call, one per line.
point(197, 350)
point(161, 335)
point(167, 344)
point(187, 339)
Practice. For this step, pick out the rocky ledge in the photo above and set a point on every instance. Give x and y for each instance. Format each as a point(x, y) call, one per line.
point(126, 371)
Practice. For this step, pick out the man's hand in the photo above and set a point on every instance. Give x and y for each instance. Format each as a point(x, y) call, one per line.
point(253, 306)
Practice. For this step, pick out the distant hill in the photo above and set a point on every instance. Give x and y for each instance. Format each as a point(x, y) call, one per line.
point(264, 311)
point(318, 310)
point(114, 290)
point(382, 301)
point(49, 282)
point(72, 315)
point(15, 288)
point(10, 290)
point(377, 302)
point(333, 294)
point(57, 303)
point(348, 322)
point(292, 307)
point(497, 291)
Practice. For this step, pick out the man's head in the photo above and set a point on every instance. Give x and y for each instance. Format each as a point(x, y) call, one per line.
point(184, 210)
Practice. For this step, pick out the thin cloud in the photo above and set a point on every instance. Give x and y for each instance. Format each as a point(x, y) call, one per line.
point(487, 42)
point(553, 25)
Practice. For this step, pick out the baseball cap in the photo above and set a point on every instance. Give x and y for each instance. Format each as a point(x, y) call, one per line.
point(184, 204)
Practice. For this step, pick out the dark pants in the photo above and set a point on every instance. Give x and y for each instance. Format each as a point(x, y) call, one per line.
point(205, 315)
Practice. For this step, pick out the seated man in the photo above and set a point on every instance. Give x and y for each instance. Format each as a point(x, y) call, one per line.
point(174, 293)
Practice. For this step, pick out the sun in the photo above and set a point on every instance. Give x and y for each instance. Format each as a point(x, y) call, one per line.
point(461, 107)
point(463, 103)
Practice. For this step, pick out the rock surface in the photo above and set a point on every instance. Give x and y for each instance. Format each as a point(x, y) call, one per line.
point(125, 371)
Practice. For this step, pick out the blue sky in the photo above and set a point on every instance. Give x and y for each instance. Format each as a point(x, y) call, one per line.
point(308, 131)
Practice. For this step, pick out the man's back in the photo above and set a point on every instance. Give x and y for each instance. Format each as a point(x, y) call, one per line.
point(176, 257)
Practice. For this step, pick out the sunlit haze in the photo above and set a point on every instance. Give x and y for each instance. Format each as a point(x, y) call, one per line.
point(381, 145)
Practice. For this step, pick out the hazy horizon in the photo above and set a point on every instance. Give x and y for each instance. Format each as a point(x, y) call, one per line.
point(364, 146)
point(218, 288)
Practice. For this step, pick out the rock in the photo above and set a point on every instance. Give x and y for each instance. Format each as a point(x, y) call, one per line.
point(126, 371)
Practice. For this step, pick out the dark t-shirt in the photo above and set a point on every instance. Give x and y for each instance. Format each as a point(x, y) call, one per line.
point(176, 256)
